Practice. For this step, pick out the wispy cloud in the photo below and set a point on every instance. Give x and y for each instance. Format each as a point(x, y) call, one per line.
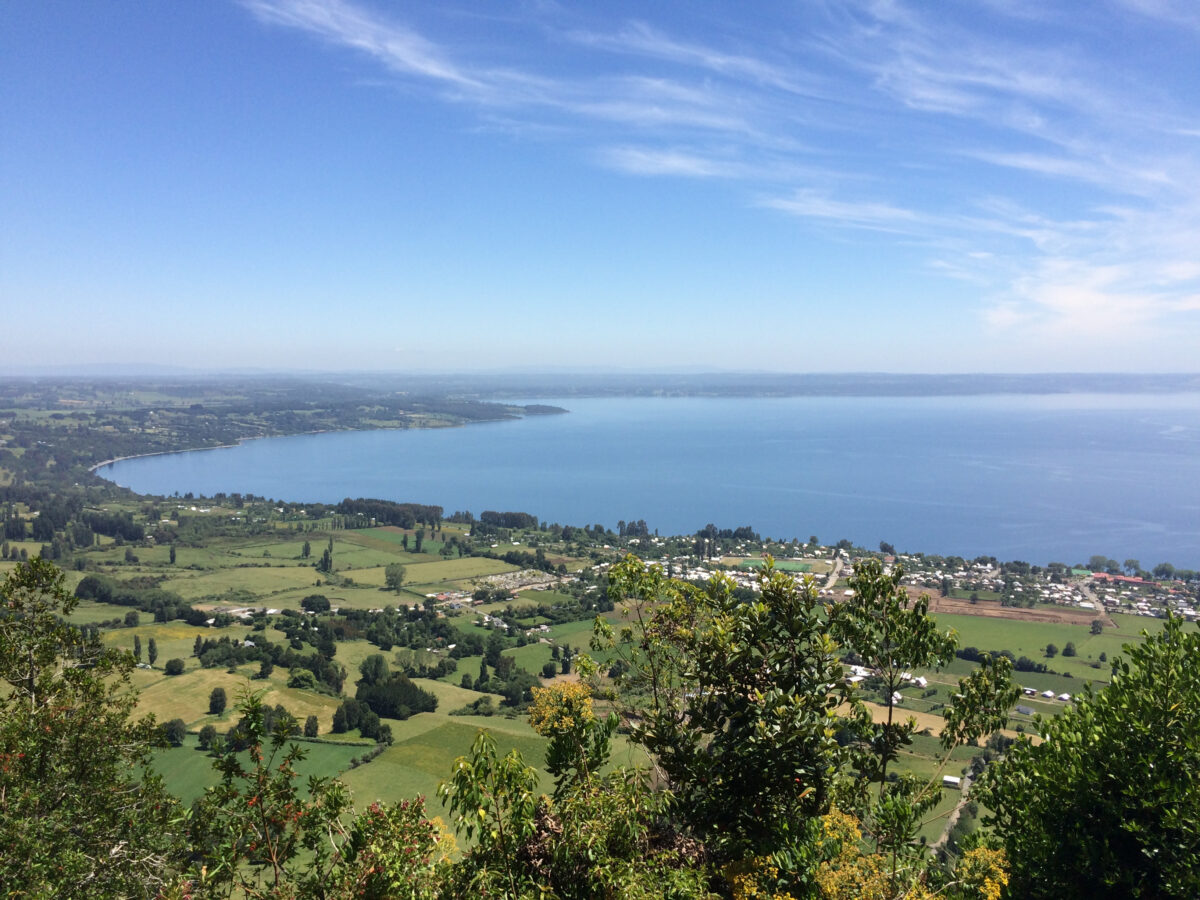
point(811, 204)
point(884, 116)
point(641, 39)
point(1174, 12)
point(659, 161)
point(397, 47)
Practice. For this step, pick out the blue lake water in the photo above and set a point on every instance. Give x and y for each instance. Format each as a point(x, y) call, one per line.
point(1038, 478)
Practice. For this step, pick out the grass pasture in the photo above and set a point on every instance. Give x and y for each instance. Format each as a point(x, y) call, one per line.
point(449, 570)
point(419, 763)
point(540, 598)
point(174, 639)
point(187, 771)
point(526, 602)
point(262, 581)
point(533, 656)
point(186, 696)
point(1030, 639)
point(783, 565)
point(352, 596)
point(88, 612)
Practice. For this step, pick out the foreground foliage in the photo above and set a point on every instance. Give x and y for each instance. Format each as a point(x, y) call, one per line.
point(768, 777)
point(80, 814)
point(1108, 805)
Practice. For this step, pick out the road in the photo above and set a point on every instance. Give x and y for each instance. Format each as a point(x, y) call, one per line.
point(954, 814)
point(833, 576)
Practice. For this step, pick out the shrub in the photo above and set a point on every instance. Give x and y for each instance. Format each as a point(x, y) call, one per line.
point(174, 667)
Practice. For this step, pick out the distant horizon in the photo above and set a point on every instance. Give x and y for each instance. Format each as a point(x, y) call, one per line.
point(148, 370)
point(516, 386)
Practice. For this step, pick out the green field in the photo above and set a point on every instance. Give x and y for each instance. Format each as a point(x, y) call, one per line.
point(187, 771)
point(532, 657)
point(420, 760)
point(263, 581)
point(783, 565)
point(455, 569)
point(186, 696)
point(1030, 639)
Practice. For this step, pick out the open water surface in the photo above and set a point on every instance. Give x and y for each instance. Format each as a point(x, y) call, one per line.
point(1038, 478)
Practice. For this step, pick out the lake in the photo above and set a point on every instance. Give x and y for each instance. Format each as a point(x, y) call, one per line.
point(1039, 478)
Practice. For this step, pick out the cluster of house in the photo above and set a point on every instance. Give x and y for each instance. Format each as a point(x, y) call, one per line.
point(1046, 695)
point(1142, 597)
point(1085, 590)
point(858, 674)
point(490, 621)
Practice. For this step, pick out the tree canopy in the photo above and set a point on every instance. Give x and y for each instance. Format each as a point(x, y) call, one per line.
point(1108, 804)
point(81, 816)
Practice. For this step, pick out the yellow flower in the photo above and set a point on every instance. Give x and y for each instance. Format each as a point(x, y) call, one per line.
point(561, 708)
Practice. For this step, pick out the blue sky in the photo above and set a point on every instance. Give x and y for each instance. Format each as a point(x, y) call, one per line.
point(840, 186)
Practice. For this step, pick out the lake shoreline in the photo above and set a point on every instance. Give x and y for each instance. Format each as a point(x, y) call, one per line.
point(1035, 479)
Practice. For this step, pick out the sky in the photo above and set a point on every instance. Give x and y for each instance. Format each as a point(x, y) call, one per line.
point(839, 186)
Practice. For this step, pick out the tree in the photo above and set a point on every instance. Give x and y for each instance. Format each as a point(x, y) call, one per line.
point(132, 619)
point(152, 651)
point(369, 726)
point(495, 799)
point(1108, 805)
point(312, 727)
point(208, 736)
point(261, 832)
point(175, 731)
point(374, 669)
point(1051, 651)
point(892, 634)
point(1097, 626)
point(265, 668)
point(733, 699)
point(302, 679)
point(217, 701)
point(306, 550)
point(393, 576)
point(315, 603)
point(137, 648)
point(81, 815)
point(1069, 649)
point(174, 667)
point(172, 554)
